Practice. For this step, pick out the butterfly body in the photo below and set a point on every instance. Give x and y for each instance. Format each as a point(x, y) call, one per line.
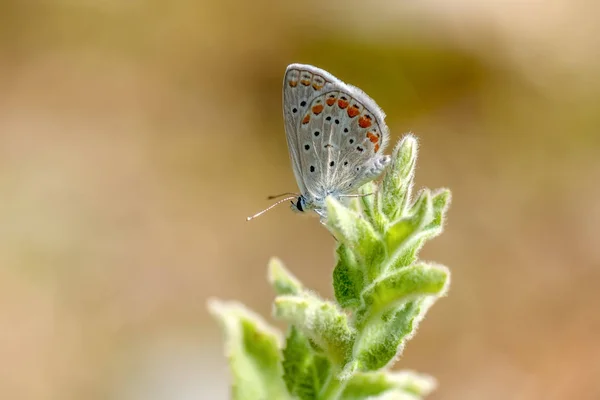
point(335, 133)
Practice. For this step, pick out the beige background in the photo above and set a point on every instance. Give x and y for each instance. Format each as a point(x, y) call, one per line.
point(136, 136)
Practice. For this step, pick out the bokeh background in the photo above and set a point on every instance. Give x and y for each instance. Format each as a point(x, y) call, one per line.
point(136, 136)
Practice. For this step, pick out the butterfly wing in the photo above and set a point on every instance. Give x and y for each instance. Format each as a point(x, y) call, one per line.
point(339, 133)
point(300, 86)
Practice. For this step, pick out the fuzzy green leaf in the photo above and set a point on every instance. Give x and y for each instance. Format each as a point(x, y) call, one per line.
point(398, 180)
point(364, 385)
point(368, 193)
point(321, 321)
point(430, 225)
point(383, 338)
point(395, 395)
point(348, 278)
point(351, 229)
point(421, 215)
point(399, 286)
point(408, 253)
point(253, 351)
point(304, 369)
point(353, 203)
point(441, 201)
point(370, 201)
point(282, 280)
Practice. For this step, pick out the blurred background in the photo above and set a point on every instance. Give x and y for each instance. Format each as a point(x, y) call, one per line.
point(136, 136)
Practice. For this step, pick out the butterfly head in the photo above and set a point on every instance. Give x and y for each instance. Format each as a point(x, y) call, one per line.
point(299, 205)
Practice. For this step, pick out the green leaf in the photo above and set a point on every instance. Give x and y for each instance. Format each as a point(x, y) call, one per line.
point(426, 227)
point(282, 280)
point(407, 254)
point(370, 200)
point(392, 309)
point(399, 286)
point(368, 193)
point(351, 229)
point(413, 382)
point(421, 214)
point(253, 351)
point(353, 203)
point(364, 385)
point(382, 339)
point(348, 278)
point(304, 370)
point(398, 180)
point(394, 395)
point(321, 321)
point(441, 201)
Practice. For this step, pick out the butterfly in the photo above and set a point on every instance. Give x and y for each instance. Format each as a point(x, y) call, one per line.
point(336, 135)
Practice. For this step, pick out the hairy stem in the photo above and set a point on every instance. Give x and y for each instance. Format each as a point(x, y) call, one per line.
point(333, 388)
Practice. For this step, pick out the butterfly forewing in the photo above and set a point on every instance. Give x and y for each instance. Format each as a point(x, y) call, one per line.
point(336, 133)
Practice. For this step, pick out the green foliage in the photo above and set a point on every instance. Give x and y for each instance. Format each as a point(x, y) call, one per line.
point(321, 321)
point(344, 349)
point(370, 384)
point(254, 353)
point(304, 369)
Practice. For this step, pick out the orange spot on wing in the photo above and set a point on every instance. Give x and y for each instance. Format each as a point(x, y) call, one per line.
point(331, 101)
point(372, 137)
point(317, 86)
point(293, 83)
point(364, 121)
point(305, 82)
point(318, 109)
point(306, 119)
point(353, 111)
point(376, 147)
point(342, 103)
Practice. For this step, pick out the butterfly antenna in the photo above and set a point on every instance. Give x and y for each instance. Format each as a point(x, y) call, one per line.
point(282, 194)
point(270, 207)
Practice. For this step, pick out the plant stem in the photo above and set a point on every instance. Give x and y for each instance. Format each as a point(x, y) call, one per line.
point(333, 388)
